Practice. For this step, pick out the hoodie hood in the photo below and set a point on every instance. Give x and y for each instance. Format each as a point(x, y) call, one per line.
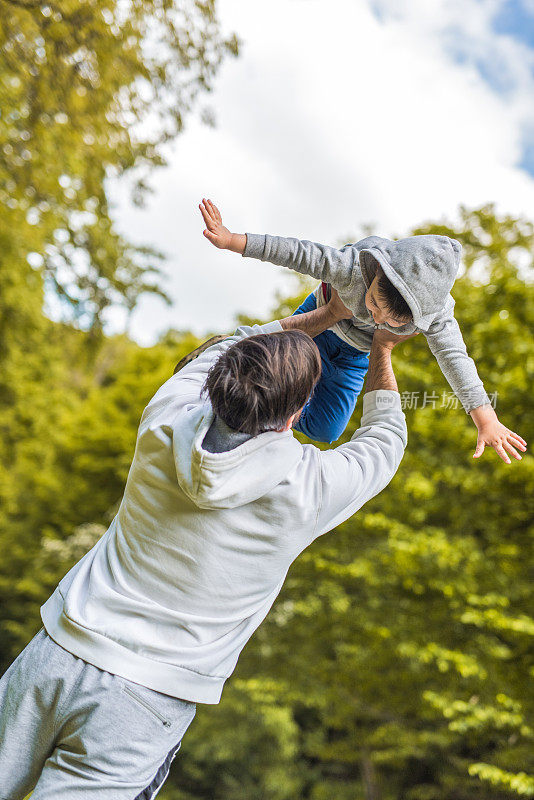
point(422, 268)
point(237, 476)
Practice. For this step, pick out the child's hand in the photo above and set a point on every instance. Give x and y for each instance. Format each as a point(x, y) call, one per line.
point(493, 433)
point(215, 230)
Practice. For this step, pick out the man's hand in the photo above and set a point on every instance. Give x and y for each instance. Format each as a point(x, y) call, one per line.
point(337, 308)
point(493, 433)
point(217, 233)
point(386, 339)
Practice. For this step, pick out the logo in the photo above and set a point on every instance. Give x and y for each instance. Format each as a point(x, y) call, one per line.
point(385, 401)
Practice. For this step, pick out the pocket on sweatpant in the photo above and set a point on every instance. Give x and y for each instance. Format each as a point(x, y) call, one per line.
point(170, 713)
point(134, 694)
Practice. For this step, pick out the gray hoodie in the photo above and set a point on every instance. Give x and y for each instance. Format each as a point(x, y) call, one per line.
point(422, 268)
point(208, 527)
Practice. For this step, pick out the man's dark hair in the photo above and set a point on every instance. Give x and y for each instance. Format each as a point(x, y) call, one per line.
point(260, 381)
point(395, 302)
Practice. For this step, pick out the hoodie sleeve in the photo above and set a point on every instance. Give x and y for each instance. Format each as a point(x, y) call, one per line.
point(309, 258)
point(356, 471)
point(188, 382)
point(446, 342)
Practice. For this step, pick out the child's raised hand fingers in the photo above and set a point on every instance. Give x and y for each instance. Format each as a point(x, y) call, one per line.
point(215, 211)
point(207, 208)
point(208, 218)
point(513, 452)
point(204, 213)
point(516, 440)
point(499, 449)
point(516, 436)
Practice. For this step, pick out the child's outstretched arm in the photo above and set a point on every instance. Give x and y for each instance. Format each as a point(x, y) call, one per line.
point(447, 344)
point(309, 258)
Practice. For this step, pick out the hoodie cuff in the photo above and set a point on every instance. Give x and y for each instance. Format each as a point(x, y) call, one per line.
point(271, 327)
point(254, 330)
point(382, 408)
point(255, 245)
point(381, 400)
point(473, 398)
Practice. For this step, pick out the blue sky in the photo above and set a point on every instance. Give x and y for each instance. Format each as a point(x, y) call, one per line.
point(516, 18)
point(495, 37)
point(336, 115)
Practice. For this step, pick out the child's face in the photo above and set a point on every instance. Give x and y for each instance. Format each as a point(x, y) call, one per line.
point(377, 307)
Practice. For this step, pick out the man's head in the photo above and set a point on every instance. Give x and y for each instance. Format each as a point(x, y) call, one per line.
point(262, 382)
point(386, 303)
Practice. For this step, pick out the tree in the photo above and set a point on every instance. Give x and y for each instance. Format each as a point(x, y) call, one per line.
point(90, 91)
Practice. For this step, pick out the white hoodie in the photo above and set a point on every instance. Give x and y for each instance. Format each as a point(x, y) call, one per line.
point(202, 541)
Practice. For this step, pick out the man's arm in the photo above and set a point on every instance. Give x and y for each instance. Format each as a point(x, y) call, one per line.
point(353, 473)
point(380, 374)
point(319, 319)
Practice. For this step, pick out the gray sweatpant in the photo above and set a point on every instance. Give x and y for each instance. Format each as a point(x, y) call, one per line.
point(74, 731)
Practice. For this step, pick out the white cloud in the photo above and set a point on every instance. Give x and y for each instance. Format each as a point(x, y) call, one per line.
point(328, 120)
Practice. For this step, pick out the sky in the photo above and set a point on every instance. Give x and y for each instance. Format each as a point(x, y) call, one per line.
point(336, 115)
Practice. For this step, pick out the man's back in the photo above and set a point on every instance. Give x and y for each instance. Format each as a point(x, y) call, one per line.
point(202, 542)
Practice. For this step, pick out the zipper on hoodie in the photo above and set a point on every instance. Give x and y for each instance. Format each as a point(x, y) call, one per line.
point(146, 705)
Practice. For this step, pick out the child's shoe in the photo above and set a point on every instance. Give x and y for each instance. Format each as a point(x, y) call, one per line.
point(197, 351)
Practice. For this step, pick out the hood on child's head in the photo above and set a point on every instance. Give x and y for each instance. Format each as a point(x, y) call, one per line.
point(422, 268)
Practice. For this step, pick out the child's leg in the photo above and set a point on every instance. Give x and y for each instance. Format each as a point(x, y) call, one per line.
point(326, 414)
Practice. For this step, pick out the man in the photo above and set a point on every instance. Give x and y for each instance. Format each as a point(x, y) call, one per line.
point(220, 500)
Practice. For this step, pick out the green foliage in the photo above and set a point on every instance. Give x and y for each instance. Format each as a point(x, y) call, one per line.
point(246, 748)
point(90, 91)
point(519, 783)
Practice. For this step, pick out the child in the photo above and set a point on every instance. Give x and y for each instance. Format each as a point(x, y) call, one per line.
point(403, 286)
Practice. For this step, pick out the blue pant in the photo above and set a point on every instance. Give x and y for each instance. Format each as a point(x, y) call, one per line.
point(327, 412)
